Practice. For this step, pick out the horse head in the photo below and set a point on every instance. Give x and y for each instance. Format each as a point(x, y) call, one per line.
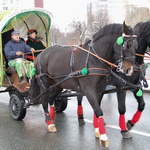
point(126, 55)
point(142, 30)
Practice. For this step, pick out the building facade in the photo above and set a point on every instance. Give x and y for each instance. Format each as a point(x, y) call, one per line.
point(102, 12)
point(8, 4)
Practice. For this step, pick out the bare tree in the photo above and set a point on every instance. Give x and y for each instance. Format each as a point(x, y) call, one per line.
point(77, 30)
point(57, 37)
point(97, 17)
point(102, 18)
point(135, 14)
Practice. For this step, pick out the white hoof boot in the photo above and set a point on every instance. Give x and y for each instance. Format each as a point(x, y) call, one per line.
point(104, 141)
point(97, 134)
point(52, 128)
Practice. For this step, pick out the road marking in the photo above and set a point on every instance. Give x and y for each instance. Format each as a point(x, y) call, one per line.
point(118, 128)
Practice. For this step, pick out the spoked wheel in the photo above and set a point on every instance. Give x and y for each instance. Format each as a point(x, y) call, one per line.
point(16, 106)
point(60, 104)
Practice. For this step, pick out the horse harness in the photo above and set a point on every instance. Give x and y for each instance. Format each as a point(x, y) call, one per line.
point(85, 71)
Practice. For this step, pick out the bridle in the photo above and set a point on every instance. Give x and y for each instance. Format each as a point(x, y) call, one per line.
point(124, 43)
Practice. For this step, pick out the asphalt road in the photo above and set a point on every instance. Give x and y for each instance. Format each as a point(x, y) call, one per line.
point(32, 133)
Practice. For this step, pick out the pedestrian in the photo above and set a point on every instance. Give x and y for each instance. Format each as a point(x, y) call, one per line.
point(14, 51)
point(34, 42)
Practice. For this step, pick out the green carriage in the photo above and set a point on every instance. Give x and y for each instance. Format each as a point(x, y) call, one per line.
point(22, 20)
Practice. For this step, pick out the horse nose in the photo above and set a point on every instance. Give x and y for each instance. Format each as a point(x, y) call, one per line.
point(129, 71)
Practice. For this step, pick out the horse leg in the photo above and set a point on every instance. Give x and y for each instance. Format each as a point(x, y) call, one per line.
point(91, 94)
point(80, 110)
point(45, 99)
point(121, 95)
point(48, 117)
point(95, 121)
point(138, 113)
point(100, 131)
point(96, 126)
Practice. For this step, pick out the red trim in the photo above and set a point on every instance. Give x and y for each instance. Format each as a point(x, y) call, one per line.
point(80, 110)
point(95, 121)
point(122, 122)
point(30, 57)
point(49, 122)
point(136, 117)
point(52, 112)
point(102, 129)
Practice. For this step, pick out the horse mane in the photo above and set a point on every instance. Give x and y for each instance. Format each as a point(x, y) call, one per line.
point(108, 30)
point(142, 29)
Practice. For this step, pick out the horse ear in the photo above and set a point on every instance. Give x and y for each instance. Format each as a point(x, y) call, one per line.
point(124, 27)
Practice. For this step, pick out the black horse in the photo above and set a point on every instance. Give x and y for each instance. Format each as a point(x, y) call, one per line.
point(133, 83)
point(59, 68)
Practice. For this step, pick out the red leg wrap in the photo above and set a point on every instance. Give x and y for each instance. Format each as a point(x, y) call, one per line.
point(102, 129)
point(52, 112)
point(49, 122)
point(47, 119)
point(95, 121)
point(80, 110)
point(136, 117)
point(122, 123)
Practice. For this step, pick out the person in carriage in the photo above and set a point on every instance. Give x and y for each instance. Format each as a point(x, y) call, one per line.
point(14, 51)
point(34, 42)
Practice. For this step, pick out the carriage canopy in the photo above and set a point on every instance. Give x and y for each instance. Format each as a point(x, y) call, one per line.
point(23, 20)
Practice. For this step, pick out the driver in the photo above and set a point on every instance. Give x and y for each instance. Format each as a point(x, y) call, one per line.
point(14, 51)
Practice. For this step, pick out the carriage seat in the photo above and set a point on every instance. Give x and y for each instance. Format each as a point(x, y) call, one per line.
point(10, 70)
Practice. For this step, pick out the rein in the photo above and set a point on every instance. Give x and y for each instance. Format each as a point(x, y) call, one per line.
point(143, 55)
point(79, 73)
point(100, 58)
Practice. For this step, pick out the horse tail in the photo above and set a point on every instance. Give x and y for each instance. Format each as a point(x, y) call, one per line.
point(34, 91)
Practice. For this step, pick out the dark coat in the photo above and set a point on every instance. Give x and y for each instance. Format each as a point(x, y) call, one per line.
point(36, 44)
point(13, 46)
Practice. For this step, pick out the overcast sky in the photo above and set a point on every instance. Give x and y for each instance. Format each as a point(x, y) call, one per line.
point(64, 11)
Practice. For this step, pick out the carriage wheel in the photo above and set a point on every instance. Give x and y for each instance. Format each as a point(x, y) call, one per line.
point(61, 104)
point(16, 104)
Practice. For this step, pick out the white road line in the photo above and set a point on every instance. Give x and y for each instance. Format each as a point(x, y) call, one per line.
point(117, 127)
point(107, 125)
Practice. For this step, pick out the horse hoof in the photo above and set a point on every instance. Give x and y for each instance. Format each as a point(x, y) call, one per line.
point(52, 128)
point(104, 144)
point(129, 125)
point(97, 133)
point(81, 121)
point(126, 134)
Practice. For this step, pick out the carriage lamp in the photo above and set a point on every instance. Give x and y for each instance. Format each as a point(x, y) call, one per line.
point(120, 40)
